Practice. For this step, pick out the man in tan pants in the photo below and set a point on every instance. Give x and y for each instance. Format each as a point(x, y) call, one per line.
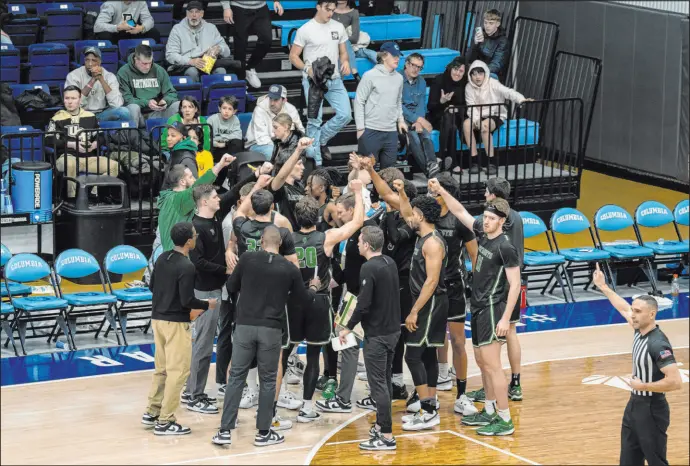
point(173, 308)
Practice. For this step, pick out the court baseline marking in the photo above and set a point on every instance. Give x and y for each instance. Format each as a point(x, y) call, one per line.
point(484, 444)
point(237, 455)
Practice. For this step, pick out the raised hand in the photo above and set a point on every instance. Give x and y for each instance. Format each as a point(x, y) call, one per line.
point(598, 278)
point(227, 159)
point(356, 185)
point(434, 186)
point(399, 186)
point(304, 143)
point(263, 181)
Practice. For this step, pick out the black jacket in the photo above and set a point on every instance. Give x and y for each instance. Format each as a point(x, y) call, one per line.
point(494, 51)
point(323, 70)
point(183, 153)
point(282, 150)
point(9, 116)
point(444, 82)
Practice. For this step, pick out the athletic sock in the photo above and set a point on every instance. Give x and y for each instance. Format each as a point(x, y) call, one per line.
point(505, 414)
point(462, 386)
point(490, 406)
point(515, 380)
point(443, 370)
point(428, 405)
point(263, 432)
point(307, 408)
point(397, 379)
point(275, 408)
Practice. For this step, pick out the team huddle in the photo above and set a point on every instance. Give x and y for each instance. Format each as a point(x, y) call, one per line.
point(292, 271)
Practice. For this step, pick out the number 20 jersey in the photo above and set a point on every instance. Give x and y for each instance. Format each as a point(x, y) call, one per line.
point(310, 254)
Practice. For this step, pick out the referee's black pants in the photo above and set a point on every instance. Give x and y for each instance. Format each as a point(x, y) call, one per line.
point(643, 434)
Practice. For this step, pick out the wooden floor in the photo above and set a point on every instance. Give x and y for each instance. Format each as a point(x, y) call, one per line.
point(96, 420)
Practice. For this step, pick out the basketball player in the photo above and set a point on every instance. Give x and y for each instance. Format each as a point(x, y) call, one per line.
point(426, 323)
point(495, 291)
point(655, 372)
point(314, 251)
point(287, 187)
point(456, 235)
point(319, 186)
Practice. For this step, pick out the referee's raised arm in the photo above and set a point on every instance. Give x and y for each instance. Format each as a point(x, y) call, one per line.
point(619, 303)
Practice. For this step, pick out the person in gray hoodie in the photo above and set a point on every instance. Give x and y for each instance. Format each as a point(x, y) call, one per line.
point(190, 40)
point(125, 20)
point(378, 108)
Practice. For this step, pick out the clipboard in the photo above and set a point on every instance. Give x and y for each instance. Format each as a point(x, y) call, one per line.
point(347, 307)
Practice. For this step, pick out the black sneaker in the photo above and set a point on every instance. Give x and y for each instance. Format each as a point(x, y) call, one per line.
point(400, 392)
point(432, 169)
point(491, 169)
point(447, 163)
point(378, 443)
point(335, 405)
point(222, 437)
point(271, 438)
point(171, 428)
point(326, 153)
point(321, 383)
point(185, 397)
point(149, 419)
point(202, 405)
point(414, 404)
point(474, 169)
point(367, 403)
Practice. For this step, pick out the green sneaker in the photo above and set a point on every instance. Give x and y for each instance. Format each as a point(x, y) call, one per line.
point(515, 393)
point(478, 396)
point(329, 389)
point(321, 383)
point(497, 427)
point(481, 418)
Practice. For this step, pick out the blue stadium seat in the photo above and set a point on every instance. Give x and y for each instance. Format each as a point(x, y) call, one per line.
point(214, 86)
point(295, 5)
point(49, 63)
point(64, 22)
point(435, 61)
point(110, 53)
point(23, 31)
point(154, 126)
point(651, 215)
point(10, 71)
point(127, 46)
point(17, 289)
point(186, 86)
point(245, 119)
point(6, 318)
point(162, 17)
point(24, 142)
point(681, 216)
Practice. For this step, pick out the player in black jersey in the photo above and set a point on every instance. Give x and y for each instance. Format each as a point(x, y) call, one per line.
point(426, 323)
point(495, 290)
point(457, 236)
point(287, 187)
point(319, 186)
point(314, 251)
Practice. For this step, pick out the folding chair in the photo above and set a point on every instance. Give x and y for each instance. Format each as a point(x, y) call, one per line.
point(653, 214)
point(123, 260)
point(17, 289)
point(214, 86)
point(568, 221)
point(76, 263)
point(625, 253)
point(24, 268)
point(681, 216)
point(538, 263)
point(185, 86)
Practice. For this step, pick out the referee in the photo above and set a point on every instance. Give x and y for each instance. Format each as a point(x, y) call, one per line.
point(655, 372)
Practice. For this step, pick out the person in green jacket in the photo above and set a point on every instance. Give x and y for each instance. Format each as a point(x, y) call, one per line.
point(189, 116)
point(146, 87)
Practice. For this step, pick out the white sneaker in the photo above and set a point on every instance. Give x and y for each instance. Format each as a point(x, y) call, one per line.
point(221, 391)
point(307, 416)
point(362, 376)
point(253, 79)
point(422, 421)
point(288, 400)
point(464, 406)
point(444, 385)
point(291, 377)
point(281, 424)
point(249, 398)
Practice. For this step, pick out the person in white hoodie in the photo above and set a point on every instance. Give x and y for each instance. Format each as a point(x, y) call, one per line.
point(190, 40)
point(491, 95)
point(260, 132)
point(378, 108)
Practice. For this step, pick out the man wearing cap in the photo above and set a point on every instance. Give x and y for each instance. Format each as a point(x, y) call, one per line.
point(125, 19)
point(191, 40)
point(100, 91)
point(378, 107)
point(260, 131)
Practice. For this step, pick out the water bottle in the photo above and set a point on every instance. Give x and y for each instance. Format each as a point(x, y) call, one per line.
point(660, 241)
point(675, 287)
point(60, 344)
point(5, 200)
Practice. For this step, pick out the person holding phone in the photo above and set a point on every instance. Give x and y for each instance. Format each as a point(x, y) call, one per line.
point(125, 19)
point(174, 306)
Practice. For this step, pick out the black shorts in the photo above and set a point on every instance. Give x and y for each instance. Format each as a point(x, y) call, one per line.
point(431, 323)
point(483, 323)
point(516, 314)
point(457, 310)
point(313, 324)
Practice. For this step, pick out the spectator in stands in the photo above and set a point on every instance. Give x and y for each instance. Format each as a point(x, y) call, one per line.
point(188, 115)
point(183, 150)
point(286, 135)
point(491, 45)
point(250, 16)
point(378, 108)
point(5, 38)
point(193, 39)
point(260, 131)
point(100, 91)
point(419, 143)
point(491, 95)
point(321, 37)
point(447, 107)
point(146, 87)
point(358, 41)
point(227, 132)
point(68, 134)
point(119, 20)
point(204, 158)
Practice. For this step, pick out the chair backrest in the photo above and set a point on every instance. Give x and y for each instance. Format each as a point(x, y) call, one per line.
point(532, 225)
point(153, 122)
point(680, 213)
point(76, 263)
point(16, 9)
point(567, 221)
point(80, 45)
point(212, 79)
point(612, 218)
point(117, 124)
point(125, 44)
point(157, 253)
point(653, 214)
point(23, 268)
point(5, 255)
point(245, 119)
point(181, 82)
point(124, 259)
point(42, 8)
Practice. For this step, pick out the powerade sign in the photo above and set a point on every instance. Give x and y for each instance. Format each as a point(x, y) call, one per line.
point(37, 190)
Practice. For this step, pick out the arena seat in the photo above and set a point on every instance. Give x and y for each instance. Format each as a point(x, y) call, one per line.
point(162, 17)
point(17, 289)
point(245, 119)
point(6, 318)
point(681, 216)
point(75, 264)
point(64, 22)
point(295, 5)
point(435, 61)
point(126, 47)
point(109, 52)
point(541, 262)
point(49, 63)
point(651, 215)
point(27, 146)
point(379, 28)
point(514, 133)
point(214, 86)
point(186, 86)
point(10, 70)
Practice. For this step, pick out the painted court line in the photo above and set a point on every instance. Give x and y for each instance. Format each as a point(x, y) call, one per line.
point(330, 434)
point(479, 442)
point(237, 455)
point(414, 434)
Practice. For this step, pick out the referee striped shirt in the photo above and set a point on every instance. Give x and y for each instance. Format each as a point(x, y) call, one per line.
point(651, 353)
